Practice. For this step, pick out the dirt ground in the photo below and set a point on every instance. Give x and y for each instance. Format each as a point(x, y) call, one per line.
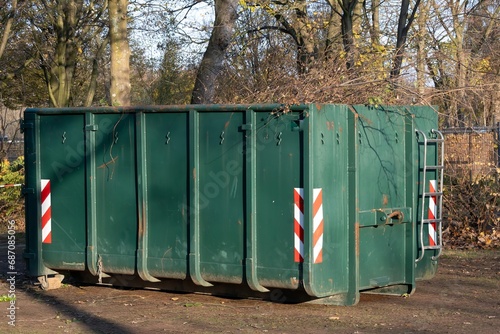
point(464, 297)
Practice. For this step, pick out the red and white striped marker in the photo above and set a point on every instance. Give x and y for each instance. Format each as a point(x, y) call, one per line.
point(318, 225)
point(298, 195)
point(298, 225)
point(431, 214)
point(46, 212)
point(10, 185)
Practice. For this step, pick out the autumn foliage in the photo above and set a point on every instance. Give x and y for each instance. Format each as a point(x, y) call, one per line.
point(472, 191)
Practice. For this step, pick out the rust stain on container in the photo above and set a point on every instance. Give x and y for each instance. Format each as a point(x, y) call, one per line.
point(356, 238)
point(142, 221)
point(385, 200)
point(229, 121)
point(112, 161)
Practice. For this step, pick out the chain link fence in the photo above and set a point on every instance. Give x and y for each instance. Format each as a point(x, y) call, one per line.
point(11, 150)
point(472, 192)
point(472, 152)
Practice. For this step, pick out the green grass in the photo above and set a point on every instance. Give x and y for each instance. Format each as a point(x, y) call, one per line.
point(5, 298)
point(471, 254)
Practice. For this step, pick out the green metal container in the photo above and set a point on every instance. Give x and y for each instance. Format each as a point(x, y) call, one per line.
point(290, 203)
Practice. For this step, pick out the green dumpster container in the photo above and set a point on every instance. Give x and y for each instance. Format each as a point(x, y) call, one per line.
point(289, 203)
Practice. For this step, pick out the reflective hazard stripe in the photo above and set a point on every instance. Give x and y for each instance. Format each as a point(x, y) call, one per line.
point(298, 225)
point(298, 214)
point(318, 225)
point(46, 212)
point(431, 214)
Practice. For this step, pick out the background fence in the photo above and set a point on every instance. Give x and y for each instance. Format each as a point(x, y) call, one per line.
point(11, 150)
point(472, 152)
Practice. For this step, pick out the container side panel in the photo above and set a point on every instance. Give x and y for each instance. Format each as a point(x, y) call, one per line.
point(382, 191)
point(279, 170)
point(62, 167)
point(221, 196)
point(116, 209)
point(167, 193)
point(330, 164)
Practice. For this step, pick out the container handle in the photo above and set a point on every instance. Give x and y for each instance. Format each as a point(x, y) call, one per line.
point(395, 214)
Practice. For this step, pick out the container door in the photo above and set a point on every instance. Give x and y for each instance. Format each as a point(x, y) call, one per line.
point(279, 165)
point(62, 191)
point(115, 193)
point(221, 199)
point(167, 193)
point(385, 197)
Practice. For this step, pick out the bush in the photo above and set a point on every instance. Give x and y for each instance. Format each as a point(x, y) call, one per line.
point(11, 201)
point(471, 212)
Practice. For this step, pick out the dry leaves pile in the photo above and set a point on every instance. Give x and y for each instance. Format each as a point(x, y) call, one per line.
point(471, 213)
point(468, 238)
point(472, 191)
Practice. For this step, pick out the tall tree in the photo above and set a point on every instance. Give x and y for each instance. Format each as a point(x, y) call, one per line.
point(212, 62)
point(421, 49)
point(334, 31)
point(375, 26)
point(7, 21)
point(62, 30)
point(347, 23)
point(464, 59)
point(14, 55)
point(120, 53)
point(175, 80)
point(404, 23)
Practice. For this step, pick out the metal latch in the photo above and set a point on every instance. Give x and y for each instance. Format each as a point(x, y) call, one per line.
point(246, 127)
point(26, 191)
point(24, 125)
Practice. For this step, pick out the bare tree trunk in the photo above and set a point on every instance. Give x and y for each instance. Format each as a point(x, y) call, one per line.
point(95, 71)
point(348, 7)
point(61, 30)
point(375, 28)
point(334, 34)
point(421, 50)
point(300, 30)
point(8, 26)
point(461, 59)
point(404, 23)
point(357, 20)
point(306, 52)
point(59, 78)
point(120, 53)
point(212, 62)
